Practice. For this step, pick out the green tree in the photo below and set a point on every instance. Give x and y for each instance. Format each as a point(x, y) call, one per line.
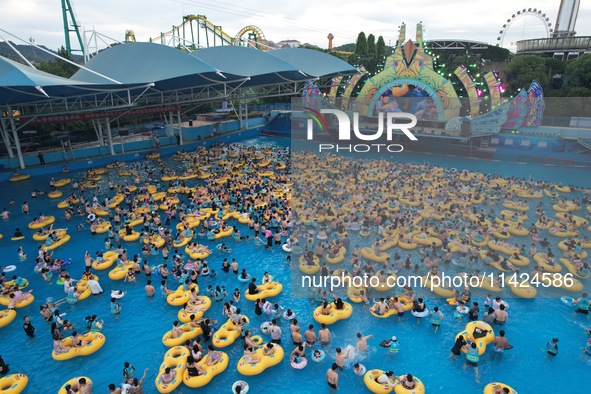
point(579, 91)
point(371, 46)
point(59, 67)
point(523, 69)
point(578, 72)
point(361, 45)
point(353, 59)
point(556, 68)
point(380, 49)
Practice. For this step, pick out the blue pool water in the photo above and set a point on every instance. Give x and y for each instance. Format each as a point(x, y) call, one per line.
point(135, 335)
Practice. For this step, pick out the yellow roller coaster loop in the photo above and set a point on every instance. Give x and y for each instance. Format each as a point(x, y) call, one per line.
point(196, 31)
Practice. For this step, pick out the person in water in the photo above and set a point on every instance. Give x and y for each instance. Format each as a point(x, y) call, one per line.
point(552, 347)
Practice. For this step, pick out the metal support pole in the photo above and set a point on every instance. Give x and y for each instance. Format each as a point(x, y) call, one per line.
point(240, 114)
point(6, 137)
point(246, 112)
point(98, 129)
point(109, 138)
point(180, 127)
point(17, 143)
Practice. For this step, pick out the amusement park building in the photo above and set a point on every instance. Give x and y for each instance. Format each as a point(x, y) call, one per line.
point(132, 76)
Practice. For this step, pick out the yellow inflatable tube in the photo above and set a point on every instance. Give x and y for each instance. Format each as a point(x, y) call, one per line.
point(103, 227)
point(225, 233)
point(55, 194)
point(542, 260)
point(490, 388)
point(185, 317)
point(72, 382)
point(522, 288)
point(437, 288)
point(480, 342)
point(370, 382)
point(485, 282)
point(338, 258)
point(428, 241)
point(226, 335)
point(95, 341)
point(19, 177)
point(13, 384)
point(62, 182)
point(309, 269)
point(334, 314)
point(6, 317)
point(369, 253)
point(175, 359)
point(189, 332)
point(134, 236)
point(210, 371)
point(62, 240)
point(266, 361)
point(48, 220)
point(181, 296)
point(266, 290)
point(4, 301)
point(354, 294)
point(43, 237)
point(119, 273)
point(109, 259)
point(418, 389)
point(201, 253)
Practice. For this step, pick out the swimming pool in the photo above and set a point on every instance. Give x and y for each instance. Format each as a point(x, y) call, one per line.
point(135, 335)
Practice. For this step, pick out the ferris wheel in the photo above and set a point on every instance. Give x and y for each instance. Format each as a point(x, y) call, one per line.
point(525, 13)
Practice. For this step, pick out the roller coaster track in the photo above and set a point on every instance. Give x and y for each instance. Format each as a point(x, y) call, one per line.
point(196, 31)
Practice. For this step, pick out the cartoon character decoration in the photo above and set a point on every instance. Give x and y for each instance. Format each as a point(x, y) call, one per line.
point(399, 90)
point(406, 98)
point(429, 111)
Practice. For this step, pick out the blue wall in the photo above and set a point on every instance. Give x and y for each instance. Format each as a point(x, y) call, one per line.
point(93, 161)
point(565, 132)
point(190, 134)
point(201, 132)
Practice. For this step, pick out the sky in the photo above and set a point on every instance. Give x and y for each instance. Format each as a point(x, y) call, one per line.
point(304, 20)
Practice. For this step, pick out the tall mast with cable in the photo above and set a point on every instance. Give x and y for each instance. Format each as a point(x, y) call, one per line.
point(71, 26)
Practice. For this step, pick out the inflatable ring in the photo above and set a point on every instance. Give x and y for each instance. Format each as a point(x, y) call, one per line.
point(243, 384)
point(257, 340)
point(567, 301)
point(244, 280)
point(117, 294)
point(362, 370)
point(265, 327)
point(490, 388)
point(286, 248)
point(14, 383)
point(321, 357)
point(9, 268)
point(91, 217)
point(303, 362)
point(422, 314)
point(72, 382)
point(6, 317)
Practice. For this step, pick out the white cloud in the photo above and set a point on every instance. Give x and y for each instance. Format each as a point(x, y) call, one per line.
point(304, 20)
